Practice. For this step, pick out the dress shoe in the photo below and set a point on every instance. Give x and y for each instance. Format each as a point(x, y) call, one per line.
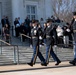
point(43, 64)
point(58, 63)
point(72, 62)
point(31, 64)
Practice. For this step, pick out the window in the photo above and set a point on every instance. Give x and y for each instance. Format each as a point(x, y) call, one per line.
point(28, 9)
point(31, 12)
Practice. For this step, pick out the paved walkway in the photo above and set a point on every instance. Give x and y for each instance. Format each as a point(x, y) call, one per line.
point(63, 69)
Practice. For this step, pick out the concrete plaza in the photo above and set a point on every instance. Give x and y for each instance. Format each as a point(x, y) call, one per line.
point(63, 69)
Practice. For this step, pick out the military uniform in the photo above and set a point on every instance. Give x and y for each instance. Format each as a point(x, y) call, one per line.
point(74, 35)
point(49, 45)
point(40, 32)
point(35, 44)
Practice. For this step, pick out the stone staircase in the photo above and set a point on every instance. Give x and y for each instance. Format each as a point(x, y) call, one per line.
point(24, 53)
point(4, 60)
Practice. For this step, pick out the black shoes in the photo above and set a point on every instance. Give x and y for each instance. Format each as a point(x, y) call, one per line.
point(73, 62)
point(31, 64)
point(58, 63)
point(44, 64)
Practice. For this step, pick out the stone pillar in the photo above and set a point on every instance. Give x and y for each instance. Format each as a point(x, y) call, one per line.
point(15, 9)
point(48, 8)
point(15, 12)
point(41, 9)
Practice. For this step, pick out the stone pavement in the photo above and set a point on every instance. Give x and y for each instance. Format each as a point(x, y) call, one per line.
point(63, 69)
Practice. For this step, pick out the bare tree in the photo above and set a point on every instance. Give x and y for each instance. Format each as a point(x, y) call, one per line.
point(64, 8)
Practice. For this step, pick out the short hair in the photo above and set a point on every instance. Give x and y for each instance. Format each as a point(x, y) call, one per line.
point(49, 20)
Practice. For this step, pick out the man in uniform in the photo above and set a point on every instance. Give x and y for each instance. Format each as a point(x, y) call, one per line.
point(49, 40)
point(74, 35)
point(35, 44)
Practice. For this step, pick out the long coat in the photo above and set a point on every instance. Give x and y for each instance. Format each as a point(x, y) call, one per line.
point(34, 33)
point(74, 30)
point(49, 33)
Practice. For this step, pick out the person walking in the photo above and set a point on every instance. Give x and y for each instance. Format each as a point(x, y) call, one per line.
point(49, 43)
point(35, 44)
point(74, 35)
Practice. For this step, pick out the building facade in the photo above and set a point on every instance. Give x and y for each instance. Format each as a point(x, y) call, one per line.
point(5, 8)
point(34, 9)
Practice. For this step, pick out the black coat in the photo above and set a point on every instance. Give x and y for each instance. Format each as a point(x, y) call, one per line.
point(3, 21)
point(23, 29)
point(40, 33)
point(74, 29)
point(15, 23)
point(49, 35)
point(34, 33)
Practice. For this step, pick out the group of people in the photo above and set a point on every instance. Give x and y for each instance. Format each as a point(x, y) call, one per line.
point(43, 34)
point(37, 35)
point(63, 32)
point(49, 36)
point(22, 27)
point(65, 35)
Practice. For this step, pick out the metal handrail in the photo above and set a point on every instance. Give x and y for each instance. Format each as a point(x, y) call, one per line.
point(8, 44)
point(25, 36)
point(5, 42)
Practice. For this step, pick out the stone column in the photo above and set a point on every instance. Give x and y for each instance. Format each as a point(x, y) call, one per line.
point(15, 12)
point(15, 9)
point(48, 8)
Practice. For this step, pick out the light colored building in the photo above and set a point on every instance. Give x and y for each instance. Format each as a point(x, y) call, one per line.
point(5, 9)
point(34, 9)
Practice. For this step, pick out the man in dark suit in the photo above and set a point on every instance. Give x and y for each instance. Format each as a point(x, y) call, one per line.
point(49, 43)
point(27, 24)
point(7, 22)
point(35, 44)
point(17, 26)
point(3, 21)
point(23, 31)
point(74, 35)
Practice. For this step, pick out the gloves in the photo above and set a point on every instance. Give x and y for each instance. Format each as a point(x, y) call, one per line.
point(30, 46)
point(55, 46)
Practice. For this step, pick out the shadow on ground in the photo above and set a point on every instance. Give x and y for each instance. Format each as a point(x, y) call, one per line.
point(41, 68)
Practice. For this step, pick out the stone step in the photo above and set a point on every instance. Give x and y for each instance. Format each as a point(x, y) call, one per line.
point(25, 54)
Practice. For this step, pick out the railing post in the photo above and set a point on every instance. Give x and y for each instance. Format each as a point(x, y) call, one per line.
point(21, 37)
point(17, 55)
point(14, 55)
point(12, 30)
point(1, 48)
